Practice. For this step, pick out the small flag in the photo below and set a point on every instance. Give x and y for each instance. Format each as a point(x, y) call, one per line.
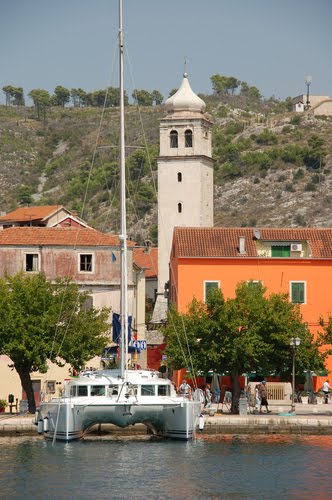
point(113, 257)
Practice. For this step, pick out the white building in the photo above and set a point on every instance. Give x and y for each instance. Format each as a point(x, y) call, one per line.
point(185, 177)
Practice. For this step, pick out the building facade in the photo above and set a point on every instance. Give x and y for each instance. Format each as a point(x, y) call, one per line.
point(92, 260)
point(293, 261)
point(185, 176)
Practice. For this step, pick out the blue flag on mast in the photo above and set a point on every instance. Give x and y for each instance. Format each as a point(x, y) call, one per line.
point(117, 328)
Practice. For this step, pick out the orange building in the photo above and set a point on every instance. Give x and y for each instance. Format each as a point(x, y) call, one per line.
point(294, 261)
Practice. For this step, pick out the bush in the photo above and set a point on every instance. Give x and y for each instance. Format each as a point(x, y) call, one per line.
point(310, 186)
point(230, 171)
point(299, 174)
point(289, 187)
point(257, 159)
point(267, 137)
point(296, 120)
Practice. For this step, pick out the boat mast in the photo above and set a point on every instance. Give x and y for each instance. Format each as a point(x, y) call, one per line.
point(123, 235)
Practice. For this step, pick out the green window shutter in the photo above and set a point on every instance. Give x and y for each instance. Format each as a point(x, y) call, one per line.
point(280, 251)
point(297, 292)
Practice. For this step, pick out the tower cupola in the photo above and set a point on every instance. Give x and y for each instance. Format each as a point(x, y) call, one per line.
point(185, 99)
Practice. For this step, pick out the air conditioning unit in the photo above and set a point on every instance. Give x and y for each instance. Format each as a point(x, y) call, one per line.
point(296, 247)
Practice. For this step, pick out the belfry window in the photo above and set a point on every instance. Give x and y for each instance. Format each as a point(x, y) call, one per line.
point(188, 139)
point(179, 176)
point(179, 208)
point(174, 139)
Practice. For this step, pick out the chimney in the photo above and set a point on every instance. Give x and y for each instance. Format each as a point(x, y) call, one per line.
point(242, 245)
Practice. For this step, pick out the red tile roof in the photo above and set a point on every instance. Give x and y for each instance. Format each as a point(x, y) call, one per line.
point(57, 236)
point(147, 260)
point(26, 214)
point(224, 242)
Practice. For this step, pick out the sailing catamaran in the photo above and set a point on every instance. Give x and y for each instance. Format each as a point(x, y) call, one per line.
point(121, 396)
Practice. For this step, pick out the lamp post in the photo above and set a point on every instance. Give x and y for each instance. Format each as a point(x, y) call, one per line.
point(307, 80)
point(294, 343)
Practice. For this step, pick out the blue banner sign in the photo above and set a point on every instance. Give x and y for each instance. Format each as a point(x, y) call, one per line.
point(140, 344)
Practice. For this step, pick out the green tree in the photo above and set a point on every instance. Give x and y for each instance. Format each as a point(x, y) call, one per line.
point(14, 95)
point(172, 92)
point(40, 321)
point(78, 97)
point(246, 333)
point(157, 97)
point(142, 97)
point(24, 195)
point(219, 84)
point(314, 154)
point(41, 100)
point(61, 96)
point(224, 84)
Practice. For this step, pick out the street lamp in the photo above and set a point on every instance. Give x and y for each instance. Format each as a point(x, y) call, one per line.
point(307, 80)
point(294, 343)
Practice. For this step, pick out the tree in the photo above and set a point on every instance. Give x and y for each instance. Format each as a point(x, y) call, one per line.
point(172, 92)
point(249, 91)
point(61, 96)
point(41, 100)
point(223, 84)
point(14, 95)
point(219, 84)
point(78, 97)
point(157, 97)
point(246, 333)
point(142, 97)
point(40, 321)
point(25, 195)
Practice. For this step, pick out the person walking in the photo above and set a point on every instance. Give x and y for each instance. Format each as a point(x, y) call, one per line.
point(263, 397)
point(326, 389)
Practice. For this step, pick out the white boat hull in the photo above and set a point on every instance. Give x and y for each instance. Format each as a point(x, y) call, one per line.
point(69, 421)
point(68, 418)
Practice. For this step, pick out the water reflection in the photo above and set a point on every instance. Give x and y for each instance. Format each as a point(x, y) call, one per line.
point(238, 467)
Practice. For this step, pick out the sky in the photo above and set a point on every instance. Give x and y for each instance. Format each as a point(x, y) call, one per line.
point(271, 44)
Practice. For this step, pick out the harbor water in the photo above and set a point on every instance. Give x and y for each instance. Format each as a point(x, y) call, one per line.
point(233, 467)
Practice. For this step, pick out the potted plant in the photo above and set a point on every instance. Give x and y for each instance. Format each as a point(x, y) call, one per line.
point(3, 404)
point(305, 397)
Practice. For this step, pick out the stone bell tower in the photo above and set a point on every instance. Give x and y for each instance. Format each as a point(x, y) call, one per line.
point(185, 177)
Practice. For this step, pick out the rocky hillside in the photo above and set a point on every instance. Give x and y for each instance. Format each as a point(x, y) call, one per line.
point(272, 167)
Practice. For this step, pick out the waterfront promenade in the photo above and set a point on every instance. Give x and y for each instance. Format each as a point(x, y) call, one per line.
point(308, 419)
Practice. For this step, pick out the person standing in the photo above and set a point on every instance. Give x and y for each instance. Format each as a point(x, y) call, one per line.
point(257, 398)
point(208, 396)
point(185, 389)
point(263, 397)
point(326, 389)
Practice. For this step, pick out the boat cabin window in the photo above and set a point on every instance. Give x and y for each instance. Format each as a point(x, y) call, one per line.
point(113, 390)
point(97, 390)
point(164, 390)
point(148, 390)
point(82, 390)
